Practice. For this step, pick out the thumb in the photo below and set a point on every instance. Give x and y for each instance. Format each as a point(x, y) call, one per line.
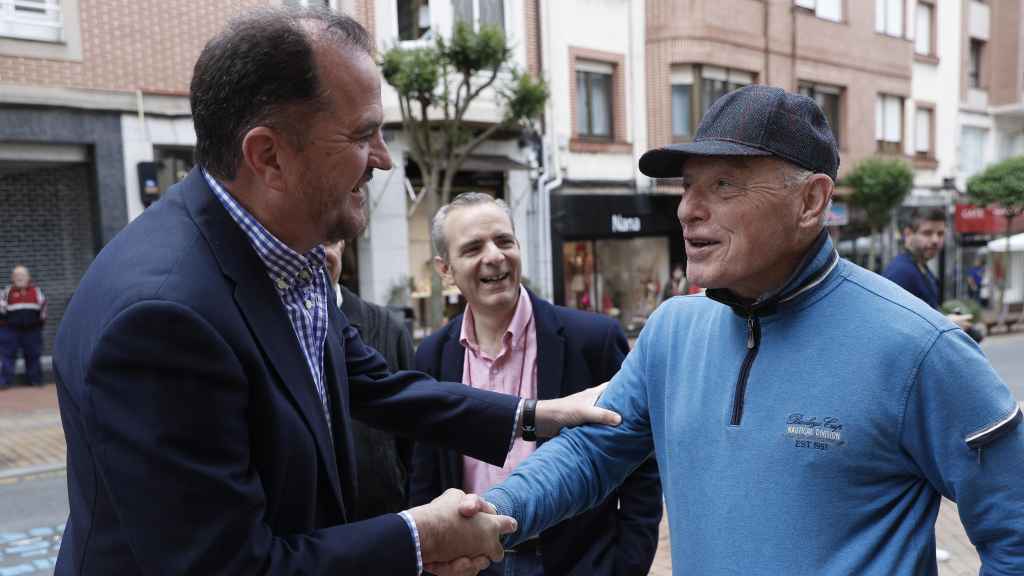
point(506, 524)
point(472, 504)
point(595, 415)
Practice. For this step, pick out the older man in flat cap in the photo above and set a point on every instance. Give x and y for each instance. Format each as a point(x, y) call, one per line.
point(807, 414)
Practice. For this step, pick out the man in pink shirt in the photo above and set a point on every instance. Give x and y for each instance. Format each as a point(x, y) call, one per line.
point(512, 342)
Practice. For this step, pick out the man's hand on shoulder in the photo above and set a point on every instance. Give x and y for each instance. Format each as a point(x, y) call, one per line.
point(573, 410)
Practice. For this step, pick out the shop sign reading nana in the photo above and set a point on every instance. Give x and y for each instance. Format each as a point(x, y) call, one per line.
point(625, 224)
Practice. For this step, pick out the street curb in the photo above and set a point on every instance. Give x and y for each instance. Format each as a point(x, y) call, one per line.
point(13, 473)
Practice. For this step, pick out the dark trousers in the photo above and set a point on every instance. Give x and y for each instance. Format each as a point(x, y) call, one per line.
point(30, 343)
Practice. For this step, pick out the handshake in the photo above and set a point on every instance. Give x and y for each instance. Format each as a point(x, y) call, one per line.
point(460, 533)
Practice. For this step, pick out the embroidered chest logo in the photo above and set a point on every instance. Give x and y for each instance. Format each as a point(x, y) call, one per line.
point(815, 433)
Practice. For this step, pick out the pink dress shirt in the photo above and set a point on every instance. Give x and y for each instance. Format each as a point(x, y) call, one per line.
point(512, 371)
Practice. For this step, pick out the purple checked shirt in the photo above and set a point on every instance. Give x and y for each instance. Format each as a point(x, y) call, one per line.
point(301, 282)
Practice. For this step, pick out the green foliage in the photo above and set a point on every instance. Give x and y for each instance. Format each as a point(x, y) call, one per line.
point(879, 186)
point(414, 72)
point(962, 307)
point(470, 52)
point(436, 86)
point(1001, 184)
point(526, 99)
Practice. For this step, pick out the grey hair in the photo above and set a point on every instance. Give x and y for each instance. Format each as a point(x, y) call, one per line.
point(793, 177)
point(464, 200)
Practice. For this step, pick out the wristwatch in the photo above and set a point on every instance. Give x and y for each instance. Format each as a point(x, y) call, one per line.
point(530, 420)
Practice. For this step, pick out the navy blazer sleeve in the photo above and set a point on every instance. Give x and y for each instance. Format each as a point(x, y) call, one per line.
point(162, 382)
point(640, 505)
point(425, 481)
point(415, 405)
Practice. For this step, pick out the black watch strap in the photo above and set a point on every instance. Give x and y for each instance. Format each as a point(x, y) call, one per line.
point(529, 420)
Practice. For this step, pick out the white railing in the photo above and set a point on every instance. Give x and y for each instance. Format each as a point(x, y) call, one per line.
point(32, 20)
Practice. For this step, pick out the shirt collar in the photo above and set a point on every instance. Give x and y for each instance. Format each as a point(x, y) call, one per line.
point(285, 266)
point(516, 330)
point(817, 264)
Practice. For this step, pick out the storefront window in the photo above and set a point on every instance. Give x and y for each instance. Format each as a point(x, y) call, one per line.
point(621, 278)
point(173, 165)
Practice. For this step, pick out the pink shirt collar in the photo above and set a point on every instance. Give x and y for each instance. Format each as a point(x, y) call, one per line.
point(514, 334)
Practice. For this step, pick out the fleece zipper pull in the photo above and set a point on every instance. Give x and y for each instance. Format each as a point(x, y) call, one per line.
point(753, 343)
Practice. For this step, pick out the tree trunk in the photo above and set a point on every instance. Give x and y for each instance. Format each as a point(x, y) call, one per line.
point(1001, 298)
point(871, 249)
point(435, 306)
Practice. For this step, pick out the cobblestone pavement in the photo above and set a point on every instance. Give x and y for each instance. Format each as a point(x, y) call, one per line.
point(31, 438)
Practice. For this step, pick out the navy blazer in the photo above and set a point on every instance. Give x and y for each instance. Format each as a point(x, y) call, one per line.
point(196, 441)
point(575, 350)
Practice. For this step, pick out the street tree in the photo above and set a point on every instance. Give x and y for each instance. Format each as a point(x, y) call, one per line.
point(879, 187)
point(437, 85)
point(1001, 185)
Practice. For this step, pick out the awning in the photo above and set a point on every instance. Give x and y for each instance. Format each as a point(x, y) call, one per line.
point(999, 244)
point(491, 163)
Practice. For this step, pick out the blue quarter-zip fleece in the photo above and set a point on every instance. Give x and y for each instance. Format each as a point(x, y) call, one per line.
point(860, 407)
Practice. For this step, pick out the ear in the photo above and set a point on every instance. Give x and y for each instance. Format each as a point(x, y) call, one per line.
point(816, 194)
point(263, 153)
point(444, 270)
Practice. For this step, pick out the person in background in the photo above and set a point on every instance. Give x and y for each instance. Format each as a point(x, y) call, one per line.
point(509, 340)
point(976, 282)
point(22, 317)
point(924, 234)
point(382, 459)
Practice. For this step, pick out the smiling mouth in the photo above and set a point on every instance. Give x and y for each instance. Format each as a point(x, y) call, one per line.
point(494, 279)
point(700, 243)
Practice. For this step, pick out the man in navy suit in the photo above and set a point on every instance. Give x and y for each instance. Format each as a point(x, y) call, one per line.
point(510, 341)
point(206, 383)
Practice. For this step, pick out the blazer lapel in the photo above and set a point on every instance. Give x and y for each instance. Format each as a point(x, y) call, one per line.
point(263, 311)
point(336, 379)
point(550, 349)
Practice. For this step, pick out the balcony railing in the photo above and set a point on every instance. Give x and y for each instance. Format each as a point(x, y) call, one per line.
point(32, 20)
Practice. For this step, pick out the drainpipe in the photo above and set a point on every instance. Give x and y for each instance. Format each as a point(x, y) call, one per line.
point(766, 9)
point(550, 178)
point(792, 47)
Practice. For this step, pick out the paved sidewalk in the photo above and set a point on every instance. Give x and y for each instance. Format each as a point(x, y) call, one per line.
point(30, 432)
point(948, 531)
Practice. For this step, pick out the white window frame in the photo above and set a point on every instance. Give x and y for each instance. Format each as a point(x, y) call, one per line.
point(17, 22)
point(924, 44)
point(831, 10)
point(889, 17)
point(428, 36)
point(476, 16)
point(596, 67)
point(923, 119)
point(682, 76)
point(978, 155)
point(839, 92)
point(889, 119)
point(975, 68)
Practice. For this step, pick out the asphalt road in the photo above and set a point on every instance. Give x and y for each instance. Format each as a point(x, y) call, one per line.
point(1006, 352)
point(33, 510)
